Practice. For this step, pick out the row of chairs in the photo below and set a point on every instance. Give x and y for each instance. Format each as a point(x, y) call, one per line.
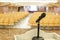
point(50, 20)
point(12, 18)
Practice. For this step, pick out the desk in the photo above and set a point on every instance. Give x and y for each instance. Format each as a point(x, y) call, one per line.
point(8, 34)
point(56, 31)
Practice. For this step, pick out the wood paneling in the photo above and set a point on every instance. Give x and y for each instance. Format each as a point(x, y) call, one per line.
point(1, 9)
point(7, 9)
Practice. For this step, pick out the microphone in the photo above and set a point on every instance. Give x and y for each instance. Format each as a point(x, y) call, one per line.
point(40, 17)
point(38, 28)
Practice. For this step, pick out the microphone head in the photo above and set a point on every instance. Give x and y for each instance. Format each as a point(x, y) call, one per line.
point(43, 14)
point(40, 17)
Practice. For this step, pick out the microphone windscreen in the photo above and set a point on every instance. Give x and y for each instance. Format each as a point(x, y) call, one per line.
point(40, 17)
point(43, 14)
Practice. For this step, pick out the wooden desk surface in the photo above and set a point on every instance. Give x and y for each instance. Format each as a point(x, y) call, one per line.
point(56, 31)
point(8, 33)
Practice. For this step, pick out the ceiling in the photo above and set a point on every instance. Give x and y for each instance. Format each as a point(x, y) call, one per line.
point(41, 1)
point(25, 3)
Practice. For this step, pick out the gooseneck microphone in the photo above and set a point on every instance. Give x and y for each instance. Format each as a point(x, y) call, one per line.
point(38, 28)
point(40, 17)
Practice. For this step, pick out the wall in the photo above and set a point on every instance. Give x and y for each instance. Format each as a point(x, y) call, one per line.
point(7, 9)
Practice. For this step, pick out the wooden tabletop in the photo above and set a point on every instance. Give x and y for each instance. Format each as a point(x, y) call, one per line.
point(8, 34)
point(56, 31)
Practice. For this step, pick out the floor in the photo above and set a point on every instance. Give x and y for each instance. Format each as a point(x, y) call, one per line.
point(23, 23)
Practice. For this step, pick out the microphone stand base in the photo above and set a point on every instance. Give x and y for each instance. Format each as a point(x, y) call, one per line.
point(37, 38)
